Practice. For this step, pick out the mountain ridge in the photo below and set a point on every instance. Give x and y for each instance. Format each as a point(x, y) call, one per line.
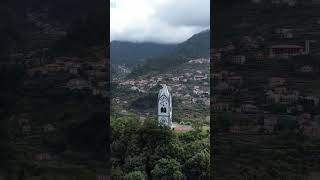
point(197, 46)
point(133, 53)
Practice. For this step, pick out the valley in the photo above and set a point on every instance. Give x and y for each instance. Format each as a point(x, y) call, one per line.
point(142, 147)
point(135, 90)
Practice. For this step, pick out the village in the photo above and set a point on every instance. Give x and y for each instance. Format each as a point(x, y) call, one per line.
point(262, 81)
point(60, 78)
point(83, 75)
point(190, 84)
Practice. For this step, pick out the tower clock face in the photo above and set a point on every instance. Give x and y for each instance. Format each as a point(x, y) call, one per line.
point(163, 101)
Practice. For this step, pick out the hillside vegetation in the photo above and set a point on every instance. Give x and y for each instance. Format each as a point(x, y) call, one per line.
point(195, 47)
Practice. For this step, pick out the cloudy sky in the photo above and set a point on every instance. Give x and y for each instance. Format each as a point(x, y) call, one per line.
point(163, 21)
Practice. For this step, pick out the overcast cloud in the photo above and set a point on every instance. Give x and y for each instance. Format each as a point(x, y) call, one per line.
point(163, 21)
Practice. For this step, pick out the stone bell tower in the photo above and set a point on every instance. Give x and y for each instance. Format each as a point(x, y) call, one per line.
point(165, 106)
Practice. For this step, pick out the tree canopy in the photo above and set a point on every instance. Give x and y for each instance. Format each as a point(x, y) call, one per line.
point(146, 149)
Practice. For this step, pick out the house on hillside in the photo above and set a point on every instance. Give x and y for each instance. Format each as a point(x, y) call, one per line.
point(44, 156)
point(282, 98)
point(175, 79)
point(235, 80)
point(303, 118)
point(216, 57)
point(288, 99)
point(37, 71)
point(72, 67)
point(280, 90)
point(259, 56)
point(284, 32)
point(248, 108)
point(78, 84)
point(312, 130)
point(285, 51)
point(238, 59)
point(206, 102)
point(306, 69)
point(223, 86)
point(270, 123)
point(235, 129)
point(313, 99)
point(219, 107)
point(284, 2)
point(23, 120)
point(25, 129)
point(200, 77)
point(216, 76)
point(276, 81)
point(288, 50)
point(228, 48)
point(294, 108)
point(199, 61)
point(54, 67)
point(48, 128)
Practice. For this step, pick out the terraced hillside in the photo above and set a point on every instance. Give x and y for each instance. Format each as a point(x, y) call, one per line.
point(266, 108)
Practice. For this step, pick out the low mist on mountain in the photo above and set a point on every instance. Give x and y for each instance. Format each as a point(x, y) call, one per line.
point(132, 53)
point(197, 46)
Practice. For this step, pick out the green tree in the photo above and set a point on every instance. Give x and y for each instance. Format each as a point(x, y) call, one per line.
point(145, 102)
point(123, 131)
point(135, 175)
point(135, 163)
point(195, 147)
point(117, 173)
point(167, 169)
point(188, 136)
point(174, 149)
point(198, 167)
point(197, 124)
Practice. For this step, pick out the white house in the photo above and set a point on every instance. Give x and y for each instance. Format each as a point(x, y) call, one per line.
point(306, 69)
point(78, 84)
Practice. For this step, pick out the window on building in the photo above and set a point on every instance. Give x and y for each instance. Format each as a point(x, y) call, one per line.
point(163, 110)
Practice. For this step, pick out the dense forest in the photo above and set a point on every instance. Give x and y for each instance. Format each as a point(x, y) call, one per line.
point(145, 150)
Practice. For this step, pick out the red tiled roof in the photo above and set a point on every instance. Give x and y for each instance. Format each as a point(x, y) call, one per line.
point(180, 127)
